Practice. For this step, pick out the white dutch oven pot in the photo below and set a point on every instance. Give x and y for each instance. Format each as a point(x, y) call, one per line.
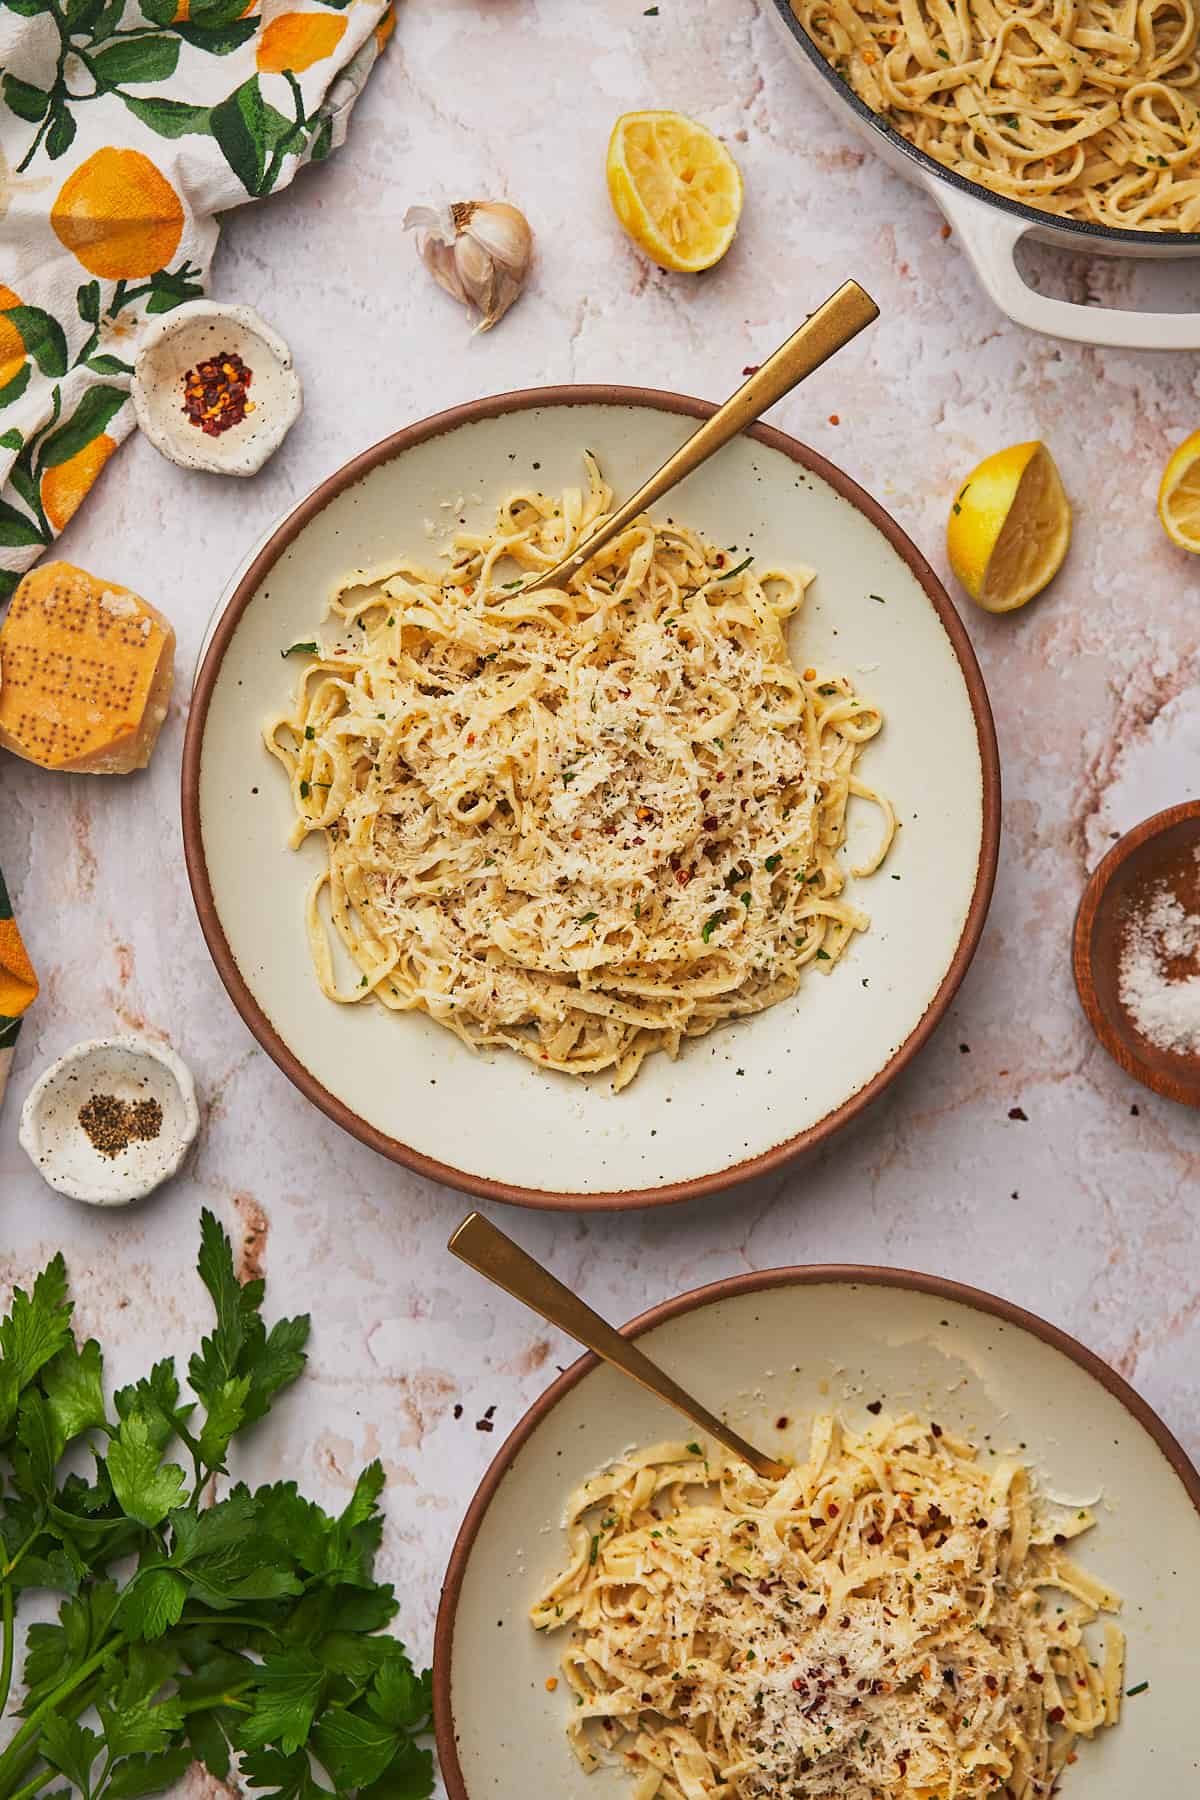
point(990, 226)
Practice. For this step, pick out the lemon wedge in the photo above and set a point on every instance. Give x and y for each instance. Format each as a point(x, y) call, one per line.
point(674, 187)
point(1179, 495)
point(1009, 527)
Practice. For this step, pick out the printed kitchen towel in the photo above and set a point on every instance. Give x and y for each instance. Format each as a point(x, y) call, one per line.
point(18, 984)
point(125, 127)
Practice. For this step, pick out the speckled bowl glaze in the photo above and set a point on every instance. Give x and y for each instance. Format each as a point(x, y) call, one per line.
point(130, 1069)
point(748, 1096)
point(185, 337)
point(767, 1351)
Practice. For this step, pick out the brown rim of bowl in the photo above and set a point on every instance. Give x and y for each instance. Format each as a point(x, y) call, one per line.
point(1122, 1047)
point(495, 405)
point(805, 1275)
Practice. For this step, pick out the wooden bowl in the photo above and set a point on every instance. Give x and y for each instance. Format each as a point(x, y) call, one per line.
point(1164, 846)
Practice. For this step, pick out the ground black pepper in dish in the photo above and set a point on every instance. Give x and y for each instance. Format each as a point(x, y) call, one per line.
point(112, 1124)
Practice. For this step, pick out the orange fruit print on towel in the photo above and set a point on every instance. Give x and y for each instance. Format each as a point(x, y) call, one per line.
point(12, 344)
point(64, 486)
point(297, 40)
point(118, 215)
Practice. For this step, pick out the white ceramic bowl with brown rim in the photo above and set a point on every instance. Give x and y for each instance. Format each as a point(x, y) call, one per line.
point(781, 1346)
point(748, 1096)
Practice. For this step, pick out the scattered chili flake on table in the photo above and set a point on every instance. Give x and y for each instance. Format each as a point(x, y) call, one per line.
point(112, 1124)
point(215, 393)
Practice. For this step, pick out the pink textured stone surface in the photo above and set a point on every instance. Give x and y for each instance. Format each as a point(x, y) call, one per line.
point(1085, 1208)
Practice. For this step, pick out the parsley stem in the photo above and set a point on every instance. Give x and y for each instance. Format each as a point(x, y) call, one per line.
point(6, 1656)
point(225, 1698)
point(218, 1622)
point(31, 1787)
point(6, 1665)
point(11, 1757)
point(99, 1787)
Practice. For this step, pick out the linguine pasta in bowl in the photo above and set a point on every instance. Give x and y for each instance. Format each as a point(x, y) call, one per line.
point(899, 1616)
point(585, 824)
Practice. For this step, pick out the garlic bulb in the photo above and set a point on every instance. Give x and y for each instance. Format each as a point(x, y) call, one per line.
point(478, 250)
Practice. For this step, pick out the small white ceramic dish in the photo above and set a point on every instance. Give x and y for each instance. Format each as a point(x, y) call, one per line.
point(129, 1070)
point(746, 1097)
point(785, 1344)
point(181, 339)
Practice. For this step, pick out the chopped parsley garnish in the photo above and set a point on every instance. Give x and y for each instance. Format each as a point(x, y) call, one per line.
point(587, 918)
point(1139, 1689)
point(305, 790)
point(773, 861)
point(823, 956)
point(309, 649)
point(310, 732)
point(878, 597)
point(695, 1449)
point(728, 574)
point(744, 898)
point(710, 925)
point(595, 1550)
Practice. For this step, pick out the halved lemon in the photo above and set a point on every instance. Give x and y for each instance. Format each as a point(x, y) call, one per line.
point(674, 187)
point(1179, 495)
point(1009, 527)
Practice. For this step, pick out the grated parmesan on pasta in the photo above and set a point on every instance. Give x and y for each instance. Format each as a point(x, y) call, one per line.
point(895, 1617)
point(586, 823)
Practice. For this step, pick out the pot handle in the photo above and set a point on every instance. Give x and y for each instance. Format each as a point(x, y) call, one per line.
point(990, 238)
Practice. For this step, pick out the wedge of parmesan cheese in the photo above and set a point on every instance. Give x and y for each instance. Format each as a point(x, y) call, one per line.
point(86, 669)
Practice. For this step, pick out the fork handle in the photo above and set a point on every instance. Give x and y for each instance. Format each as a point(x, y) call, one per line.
point(478, 1243)
point(824, 332)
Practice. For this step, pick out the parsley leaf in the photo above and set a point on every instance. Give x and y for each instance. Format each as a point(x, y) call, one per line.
point(145, 1490)
point(36, 1329)
point(248, 1622)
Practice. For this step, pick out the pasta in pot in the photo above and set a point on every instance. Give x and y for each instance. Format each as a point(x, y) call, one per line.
point(1085, 108)
point(583, 824)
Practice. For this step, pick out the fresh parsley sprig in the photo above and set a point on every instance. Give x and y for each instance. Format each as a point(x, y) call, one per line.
point(244, 1627)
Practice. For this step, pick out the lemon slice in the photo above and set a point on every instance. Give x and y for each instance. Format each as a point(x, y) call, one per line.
point(674, 187)
point(1009, 527)
point(1179, 495)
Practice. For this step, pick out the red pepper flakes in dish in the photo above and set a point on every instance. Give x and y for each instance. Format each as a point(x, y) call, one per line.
point(216, 393)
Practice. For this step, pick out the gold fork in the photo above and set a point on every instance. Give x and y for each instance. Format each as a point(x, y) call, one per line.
point(487, 1250)
point(841, 318)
